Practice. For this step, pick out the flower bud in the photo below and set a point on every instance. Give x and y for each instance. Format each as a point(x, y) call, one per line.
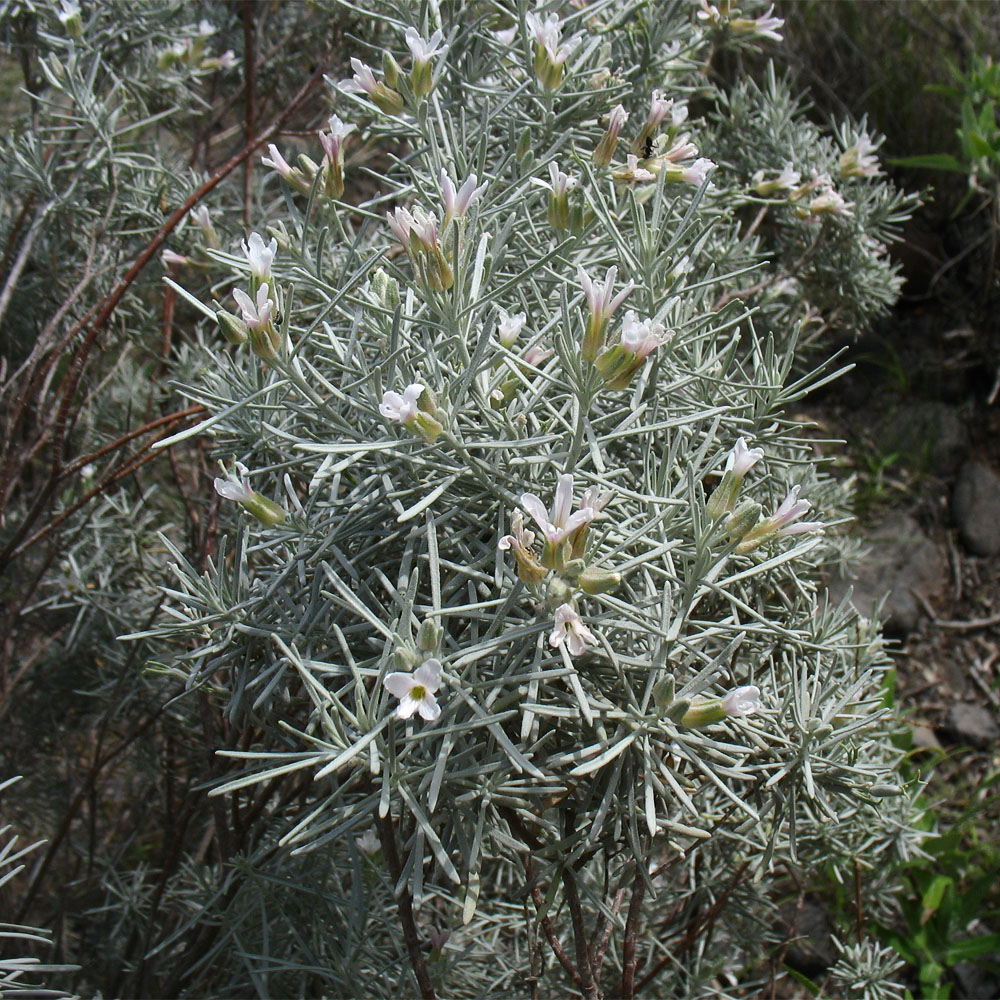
point(592, 581)
point(430, 635)
point(386, 289)
point(232, 329)
point(663, 691)
point(266, 511)
point(743, 519)
point(403, 657)
point(677, 710)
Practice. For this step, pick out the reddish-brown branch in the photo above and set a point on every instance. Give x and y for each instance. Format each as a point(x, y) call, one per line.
point(387, 837)
point(629, 957)
point(250, 104)
point(61, 424)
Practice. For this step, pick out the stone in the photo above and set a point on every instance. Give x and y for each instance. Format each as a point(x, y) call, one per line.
point(975, 506)
point(900, 560)
point(972, 725)
point(926, 435)
point(812, 950)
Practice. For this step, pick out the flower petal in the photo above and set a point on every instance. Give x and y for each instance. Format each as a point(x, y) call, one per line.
point(400, 684)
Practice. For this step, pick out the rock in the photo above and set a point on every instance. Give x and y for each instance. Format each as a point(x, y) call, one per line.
point(901, 559)
point(975, 505)
point(972, 725)
point(974, 982)
point(926, 435)
point(812, 949)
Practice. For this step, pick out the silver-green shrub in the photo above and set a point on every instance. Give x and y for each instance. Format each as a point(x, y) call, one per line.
point(516, 617)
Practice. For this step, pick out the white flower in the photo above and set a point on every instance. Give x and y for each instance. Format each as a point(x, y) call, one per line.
point(416, 691)
point(743, 701)
point(642, 337)
point(169, 258)
point(859, 160)
point(363, 81)
point(240, 491)
point(509, 328)
point(206, 28)
point(559, 183)
point(830, 202)
point(742, 459)
point(765, 25)
point(402, 408)
point(368, 843)
point(506, 36)
point(423, 50)
point(682, 149)
point(260, 255)
point(201, 217)
point(616, 119)
point(698, 171)
point(569, 628)
point(537, 355)
point(70, 11)
point(277, 162)
point(255, 315)
point(632, 173)
point(547, 35)
point(562, 523)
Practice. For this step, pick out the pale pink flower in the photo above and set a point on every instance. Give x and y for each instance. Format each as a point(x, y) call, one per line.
point(569, 629)
point(423, 50)
point(256, 315)
point(632, 173)
point(600, 296)
point(562, 523)
point(743, 701)
point(457, 203)
point(509, 327)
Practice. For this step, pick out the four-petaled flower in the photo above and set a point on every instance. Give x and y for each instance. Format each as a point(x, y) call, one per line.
point(416, 691)
point(784, 521)
point(859, 160)
point(402, 408)
point(642, 337)
point(549, 56)
point(420, 49)
point(632, 173)
point(739, 462)
point(520, 541)
point(256, 315)
point(562, 523)
point(509, 327)
point(237, 487)
point(742, 459)
point(602, 303)
point(569, 629)
point(260, 255)
point(363, 82)
point(743, 701)
point(421, 79)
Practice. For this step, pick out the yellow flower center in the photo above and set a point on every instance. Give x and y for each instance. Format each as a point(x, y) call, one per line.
point(418, 692)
